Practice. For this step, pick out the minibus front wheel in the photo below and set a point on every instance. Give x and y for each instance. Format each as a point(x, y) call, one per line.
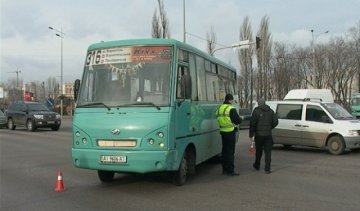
point(187, 166)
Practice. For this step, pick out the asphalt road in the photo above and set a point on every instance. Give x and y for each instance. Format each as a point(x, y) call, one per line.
point(302, 179)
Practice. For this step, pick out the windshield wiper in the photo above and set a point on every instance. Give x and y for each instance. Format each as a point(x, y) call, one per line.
point(146, 103)
point(92, 104)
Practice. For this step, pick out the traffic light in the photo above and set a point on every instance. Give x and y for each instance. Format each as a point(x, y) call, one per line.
point(258, 42)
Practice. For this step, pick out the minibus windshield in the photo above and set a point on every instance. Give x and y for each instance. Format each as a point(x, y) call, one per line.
point(127, 75)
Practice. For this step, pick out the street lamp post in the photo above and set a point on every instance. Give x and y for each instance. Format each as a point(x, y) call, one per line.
point(17, 83)
point(60, 34)
point(241, 44)
point(314, 37)
point(43, 86)
point(244, 44)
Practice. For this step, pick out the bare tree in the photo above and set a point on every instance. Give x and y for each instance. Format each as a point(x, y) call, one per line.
point(282, 75)
point(318, 74)
point(246, 70)
point(156, 28)
point(15, 88)
point(297, 58)
point(160, 24)
point(164, 20)
point(52, 85)
point(211, 41)
point(340, 69)
point(263, 59)
point(336, 68)
point(355, 39)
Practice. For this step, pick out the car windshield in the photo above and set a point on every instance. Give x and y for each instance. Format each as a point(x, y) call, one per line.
point(126, 76)
point(37, 107)
point(337, 111)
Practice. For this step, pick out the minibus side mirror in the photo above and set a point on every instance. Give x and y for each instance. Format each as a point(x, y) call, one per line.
point(76, 88)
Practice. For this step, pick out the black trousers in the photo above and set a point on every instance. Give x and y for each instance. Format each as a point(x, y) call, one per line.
point(263, 143)
point(228, 151)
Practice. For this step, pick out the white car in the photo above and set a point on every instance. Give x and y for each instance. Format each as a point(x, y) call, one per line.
point(315, 124)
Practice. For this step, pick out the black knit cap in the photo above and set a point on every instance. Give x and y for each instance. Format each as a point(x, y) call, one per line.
point(261, 101)
point(228, 97)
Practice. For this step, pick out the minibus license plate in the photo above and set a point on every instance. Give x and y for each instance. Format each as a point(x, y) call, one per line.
point(113, 159)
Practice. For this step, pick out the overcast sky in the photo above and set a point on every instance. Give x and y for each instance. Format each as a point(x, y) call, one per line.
point(29, 46)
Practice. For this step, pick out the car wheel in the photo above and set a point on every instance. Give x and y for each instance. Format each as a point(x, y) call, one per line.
point(55, 128)
point(106, 176)
point(11, 125)
point(336, 145)
point(30, 125)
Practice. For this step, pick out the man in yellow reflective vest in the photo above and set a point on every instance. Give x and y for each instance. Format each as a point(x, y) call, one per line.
point(228, 120)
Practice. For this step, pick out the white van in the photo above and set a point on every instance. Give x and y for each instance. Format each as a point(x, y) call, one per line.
point(315, 123)
point(323, 95)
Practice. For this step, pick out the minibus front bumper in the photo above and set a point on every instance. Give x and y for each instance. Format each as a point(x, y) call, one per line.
point(124, 161)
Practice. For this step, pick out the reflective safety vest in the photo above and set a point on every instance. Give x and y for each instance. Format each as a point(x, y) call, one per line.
point(223, 118)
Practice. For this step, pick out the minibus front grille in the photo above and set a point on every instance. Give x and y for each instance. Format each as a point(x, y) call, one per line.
point(116, 143)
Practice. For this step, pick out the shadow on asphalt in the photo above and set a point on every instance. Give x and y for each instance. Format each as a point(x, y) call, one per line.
point(306, 149)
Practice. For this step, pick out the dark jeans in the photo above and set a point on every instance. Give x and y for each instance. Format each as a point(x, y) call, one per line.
point(228, 151)
point(263, 143)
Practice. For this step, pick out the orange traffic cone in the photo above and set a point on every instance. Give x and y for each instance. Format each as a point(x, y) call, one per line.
point(59, 183)
point(252, 149)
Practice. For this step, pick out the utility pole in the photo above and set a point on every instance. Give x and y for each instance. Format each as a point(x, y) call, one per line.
point(17, 77)
point(17, 82)
point(43, 86)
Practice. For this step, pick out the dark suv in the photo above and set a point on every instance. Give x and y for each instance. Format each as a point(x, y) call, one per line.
point(32, 115)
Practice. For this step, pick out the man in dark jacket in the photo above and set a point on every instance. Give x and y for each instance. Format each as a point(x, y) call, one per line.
point(228, 120)
point(262, 122)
